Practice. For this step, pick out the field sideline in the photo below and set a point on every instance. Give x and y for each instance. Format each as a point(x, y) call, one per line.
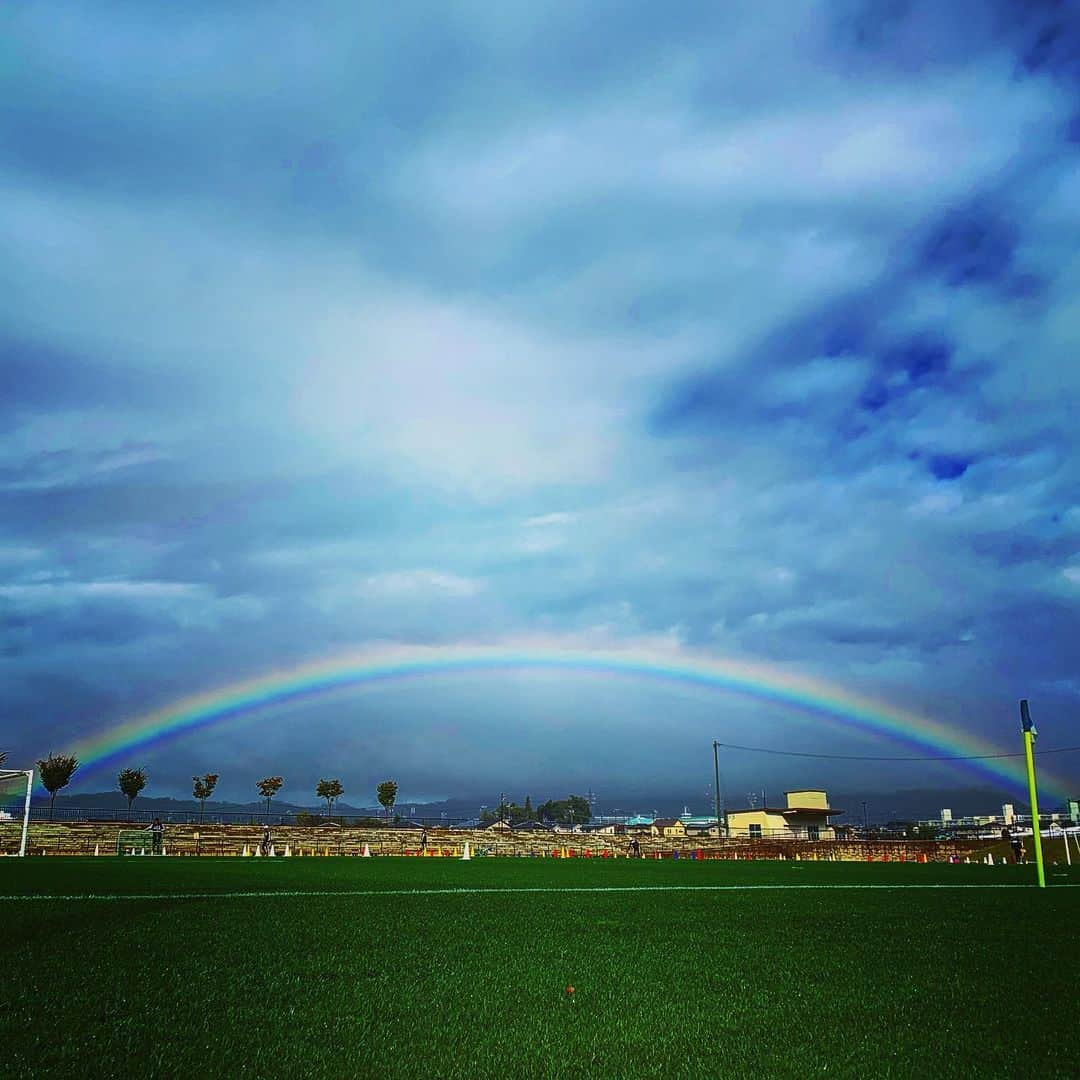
point(408, 967)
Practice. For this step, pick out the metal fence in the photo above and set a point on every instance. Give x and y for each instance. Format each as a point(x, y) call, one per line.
point(40, 812)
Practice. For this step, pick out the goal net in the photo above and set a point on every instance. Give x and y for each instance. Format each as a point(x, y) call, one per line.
point(15, 788)
point(136, 842)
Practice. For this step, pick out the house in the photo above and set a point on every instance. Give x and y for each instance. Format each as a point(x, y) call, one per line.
point(638, 821)
point(667, 827)
point(806, 817)
point(700, 826)
point(608, 828)
point(503, 826)
point(532, 826)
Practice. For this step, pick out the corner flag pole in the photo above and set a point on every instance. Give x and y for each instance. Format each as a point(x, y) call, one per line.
point(26, 812)
point(1030, 734)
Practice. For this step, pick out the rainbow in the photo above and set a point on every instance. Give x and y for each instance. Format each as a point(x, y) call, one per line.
point(119, 744)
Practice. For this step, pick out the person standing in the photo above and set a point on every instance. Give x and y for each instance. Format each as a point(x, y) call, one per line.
point(1017, 847)
point(157, 836)
point(423, 841)
point(264, 845)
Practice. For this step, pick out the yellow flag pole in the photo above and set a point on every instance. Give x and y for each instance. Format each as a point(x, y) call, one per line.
point(1029, 738)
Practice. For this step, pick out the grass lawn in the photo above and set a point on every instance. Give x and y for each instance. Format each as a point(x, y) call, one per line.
point(362, 967)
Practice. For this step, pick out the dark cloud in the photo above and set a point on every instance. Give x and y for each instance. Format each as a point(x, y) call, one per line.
point(948, 467)
point(37, 377)
point(971, 247)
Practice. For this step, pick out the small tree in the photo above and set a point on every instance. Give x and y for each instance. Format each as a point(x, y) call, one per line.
point(387, 793)
point(131, 782)
point(330, 790)
point(268, 788)
point(528, 808)
point(56, 772)
point(202, 789)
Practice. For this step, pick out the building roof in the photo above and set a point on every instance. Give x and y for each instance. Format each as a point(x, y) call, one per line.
point(532, 826)
point(666, 823)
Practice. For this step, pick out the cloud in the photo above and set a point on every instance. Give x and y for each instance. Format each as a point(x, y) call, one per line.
point(556, 517)
point(750, 330)
point(62, 590)
point(421, 581)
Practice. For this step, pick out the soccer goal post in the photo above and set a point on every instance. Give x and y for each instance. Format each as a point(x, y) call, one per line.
point(134, 842)
point(15, 789)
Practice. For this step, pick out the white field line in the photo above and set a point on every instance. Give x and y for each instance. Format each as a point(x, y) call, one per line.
point(267, 894)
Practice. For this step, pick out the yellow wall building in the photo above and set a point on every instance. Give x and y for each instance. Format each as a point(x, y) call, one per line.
point(806, 817)
point(667, 827)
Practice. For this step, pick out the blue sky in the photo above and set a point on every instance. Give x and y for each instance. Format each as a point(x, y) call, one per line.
point(748, 329)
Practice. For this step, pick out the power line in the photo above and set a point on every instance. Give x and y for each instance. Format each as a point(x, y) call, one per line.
point(858, 757)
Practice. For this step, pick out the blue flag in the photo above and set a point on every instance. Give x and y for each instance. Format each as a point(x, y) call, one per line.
point(1025, 719)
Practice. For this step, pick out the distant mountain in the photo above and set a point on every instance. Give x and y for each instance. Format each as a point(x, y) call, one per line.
point(114, 800)
point(454, 809)
point(922, 803)
point(881, 806)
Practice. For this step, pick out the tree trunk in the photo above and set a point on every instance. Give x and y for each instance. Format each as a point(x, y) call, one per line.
point(202, 811)
point(51, 801)
point(131, 803)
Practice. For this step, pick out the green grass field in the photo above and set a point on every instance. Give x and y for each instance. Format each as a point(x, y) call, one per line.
point(379, 967)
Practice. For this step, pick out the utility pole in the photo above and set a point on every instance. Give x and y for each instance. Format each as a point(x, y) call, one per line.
point(716, 770)
point(865, 827)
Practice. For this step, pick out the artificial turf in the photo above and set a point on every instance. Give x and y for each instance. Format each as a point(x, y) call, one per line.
point(341, 981)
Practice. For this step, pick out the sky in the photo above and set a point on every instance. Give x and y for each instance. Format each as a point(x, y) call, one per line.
point(746, 330)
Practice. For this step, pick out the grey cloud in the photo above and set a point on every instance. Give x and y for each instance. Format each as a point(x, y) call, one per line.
point(747, 329)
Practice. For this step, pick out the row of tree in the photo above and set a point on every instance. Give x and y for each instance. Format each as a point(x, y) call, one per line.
point(573, 810)
point(56, 771)
point(330, 790)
